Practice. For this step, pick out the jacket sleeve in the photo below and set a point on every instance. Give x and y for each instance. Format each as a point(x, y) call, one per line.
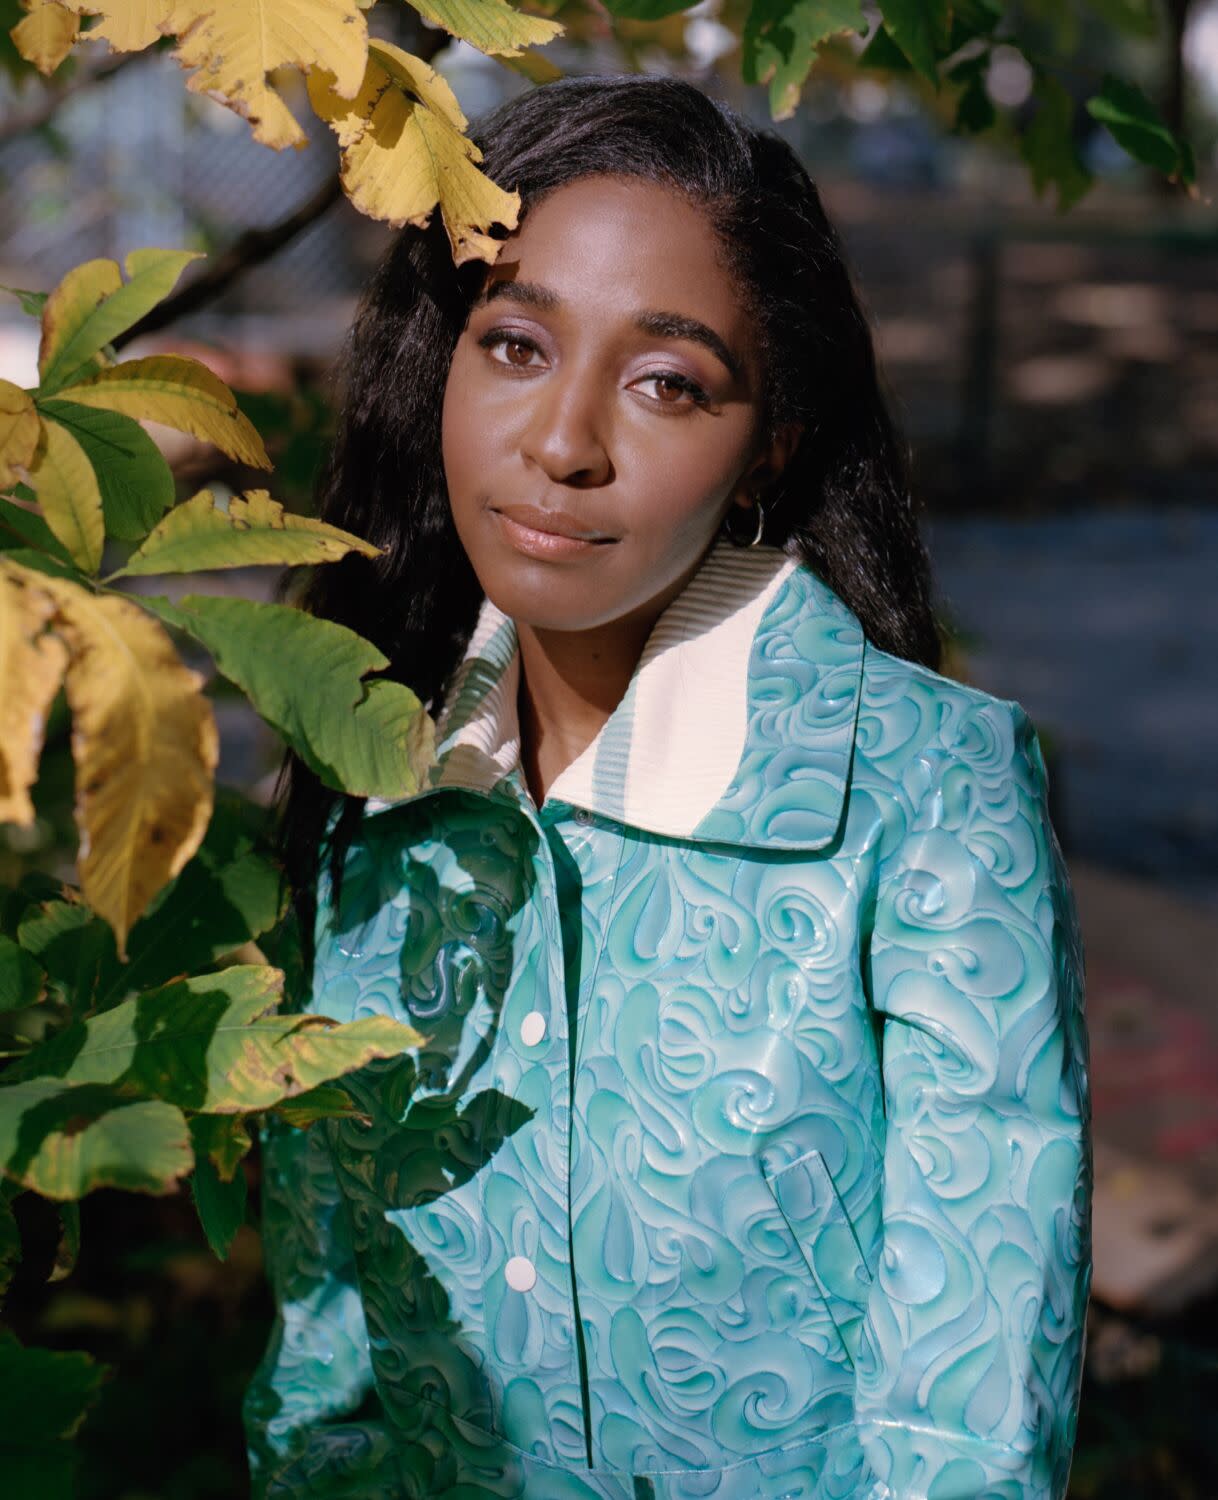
point(313, 1424)
point(972, 1342)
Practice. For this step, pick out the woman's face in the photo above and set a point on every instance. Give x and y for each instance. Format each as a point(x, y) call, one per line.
point(607, 383)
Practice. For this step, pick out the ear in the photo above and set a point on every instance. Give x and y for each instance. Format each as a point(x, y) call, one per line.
point(769, 462)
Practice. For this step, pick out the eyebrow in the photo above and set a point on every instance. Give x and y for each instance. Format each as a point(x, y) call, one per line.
point(665, 325)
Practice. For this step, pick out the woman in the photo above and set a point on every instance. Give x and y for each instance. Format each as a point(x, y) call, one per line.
point(748, 1151)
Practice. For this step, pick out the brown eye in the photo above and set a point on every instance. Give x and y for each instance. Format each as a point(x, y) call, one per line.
point(508, 348)
point(676, 391)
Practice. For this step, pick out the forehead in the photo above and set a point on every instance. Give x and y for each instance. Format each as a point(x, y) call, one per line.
point(621, 244)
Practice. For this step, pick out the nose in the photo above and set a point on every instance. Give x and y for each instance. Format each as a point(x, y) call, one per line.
point(566, 434)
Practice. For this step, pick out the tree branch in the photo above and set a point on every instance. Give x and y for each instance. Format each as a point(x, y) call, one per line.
point(250, 249)
point(43, 111)
point(255, 246)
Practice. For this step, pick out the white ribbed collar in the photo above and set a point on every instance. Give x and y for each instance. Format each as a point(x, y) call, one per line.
point(701, 740)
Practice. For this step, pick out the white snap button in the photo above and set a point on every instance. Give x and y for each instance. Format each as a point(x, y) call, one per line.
point(532, 1028)
point(521, 1273)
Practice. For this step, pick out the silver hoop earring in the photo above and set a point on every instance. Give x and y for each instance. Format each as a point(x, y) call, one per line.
point(755, 540)
point(760, 523)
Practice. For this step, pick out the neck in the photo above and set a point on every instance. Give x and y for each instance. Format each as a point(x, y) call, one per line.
point(572, 680)
point(570, 683)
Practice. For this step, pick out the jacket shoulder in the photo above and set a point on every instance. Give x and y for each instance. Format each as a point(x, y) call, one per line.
point(926, 743)
point(886, 676)
point(908, 707)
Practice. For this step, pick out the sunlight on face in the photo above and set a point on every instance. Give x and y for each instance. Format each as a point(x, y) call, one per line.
point(609, 372)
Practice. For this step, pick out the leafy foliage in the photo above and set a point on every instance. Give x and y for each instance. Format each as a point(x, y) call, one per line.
point(139, 1011)
point(402, 136)
point(403, 149)
point(46, 1395)
point(305, 677)
point(781, 40)
point(202, 534)
point(142, 1024)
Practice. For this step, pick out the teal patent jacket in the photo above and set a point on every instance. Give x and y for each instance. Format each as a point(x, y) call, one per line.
point(749, 1155)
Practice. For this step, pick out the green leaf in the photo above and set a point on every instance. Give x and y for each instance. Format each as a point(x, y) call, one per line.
point(21, 976)
point(280, 945)
point(1137, 18)
point(20, 527)
point(66, 486)
point(1060, 27)
point(63, 1140)
point(43, 562)
point(207, 1044)
point(179, 393)
point(305, 677)
point(220, 1205)
point(974, 18)
point(922, 30)
point(135, 481)
point(75, 947)
point(781, 38)
point(224, 1140)
point(226, 895)
point(152, 275)
point(46, 1394)
point(1047, 145)
point(492, 26)
point(327, 1102)
point(882, 54)
point(975, 111)
point(1138, 127)
point(68, 1248)
point(646, 10)
point(256, 530)
point(10, 1244)
point(31, 302)
point(34, 885)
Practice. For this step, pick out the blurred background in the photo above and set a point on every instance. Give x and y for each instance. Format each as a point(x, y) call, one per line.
point(1057, 375)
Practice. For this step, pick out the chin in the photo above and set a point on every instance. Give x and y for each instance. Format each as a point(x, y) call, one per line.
point(546, 598)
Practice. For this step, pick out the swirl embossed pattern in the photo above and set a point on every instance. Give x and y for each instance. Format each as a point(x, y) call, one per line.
point(749, 1164)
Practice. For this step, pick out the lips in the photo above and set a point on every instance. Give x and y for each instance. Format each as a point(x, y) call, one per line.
point(552, 522)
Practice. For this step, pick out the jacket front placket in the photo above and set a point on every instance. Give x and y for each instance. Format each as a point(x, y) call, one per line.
point(537, 1385)
point(531, 1298)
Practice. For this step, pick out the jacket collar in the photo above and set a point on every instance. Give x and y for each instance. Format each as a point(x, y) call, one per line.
point(737, 725)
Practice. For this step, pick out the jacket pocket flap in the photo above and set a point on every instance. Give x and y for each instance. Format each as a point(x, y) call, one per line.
point(806, 1197)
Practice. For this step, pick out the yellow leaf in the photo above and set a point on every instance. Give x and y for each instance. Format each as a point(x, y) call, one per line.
point(31, 668)
point(72, 303)
point(45, 36)
point(534, 67)
point(235, 44)
point(180, 393)
point(63, 479)
point(128, 25)
point(420, 79)
point(84, 314)
point(19, 431)
point(197, 534)
point(401, 158)
point(490, 25)
point(145, 747)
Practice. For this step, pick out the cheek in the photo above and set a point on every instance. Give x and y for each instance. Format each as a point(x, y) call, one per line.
point(678, 468)
point(457, 426)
